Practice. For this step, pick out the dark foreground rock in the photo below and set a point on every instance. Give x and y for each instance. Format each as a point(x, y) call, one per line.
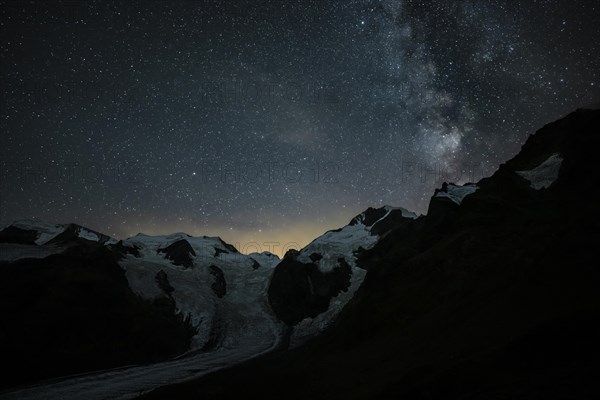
point(12, 234)
point(74, 312)
point(180, 253)
point(300, 290)
point(219, 286)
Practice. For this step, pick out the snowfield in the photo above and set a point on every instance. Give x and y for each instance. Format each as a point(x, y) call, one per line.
point(242, 311)
point(457, 193)
point(544, 175)
point(337, 244)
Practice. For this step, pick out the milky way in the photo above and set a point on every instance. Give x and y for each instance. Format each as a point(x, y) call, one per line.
point(273, 120)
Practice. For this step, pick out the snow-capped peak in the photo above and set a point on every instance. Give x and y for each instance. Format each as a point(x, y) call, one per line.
point(205, 247)
point(45, 231)
point(342, 243)
point(194, 267)
point(335, 256)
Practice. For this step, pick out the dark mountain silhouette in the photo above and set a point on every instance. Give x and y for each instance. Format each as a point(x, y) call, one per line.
point(492, 295)
point(74, 312)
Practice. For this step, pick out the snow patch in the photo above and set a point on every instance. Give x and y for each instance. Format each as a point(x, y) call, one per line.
point(85, 234)
point(265, 259)
point(405, 213)
point(339, 244)
point(545, 174)
point(457, 193)
point(111, 241)
point(46, 231)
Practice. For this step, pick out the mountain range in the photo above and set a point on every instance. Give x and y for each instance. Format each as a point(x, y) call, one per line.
point(492, 294)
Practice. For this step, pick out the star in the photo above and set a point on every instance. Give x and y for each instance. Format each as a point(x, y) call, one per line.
point(262, 120)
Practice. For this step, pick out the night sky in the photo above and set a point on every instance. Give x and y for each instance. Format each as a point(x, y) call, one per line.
point(273, 121)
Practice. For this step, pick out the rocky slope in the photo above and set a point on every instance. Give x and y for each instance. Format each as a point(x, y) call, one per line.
point(310, 287)
point(492, 295)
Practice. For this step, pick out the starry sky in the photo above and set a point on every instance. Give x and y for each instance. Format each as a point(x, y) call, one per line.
point(273, 121)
